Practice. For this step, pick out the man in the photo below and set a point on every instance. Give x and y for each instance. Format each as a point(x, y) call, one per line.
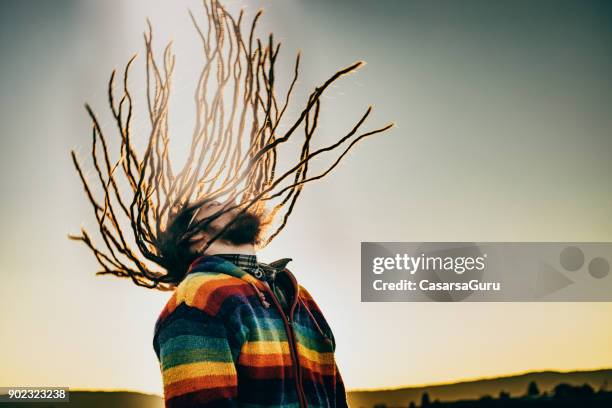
point(235, 332)
point(240, 333)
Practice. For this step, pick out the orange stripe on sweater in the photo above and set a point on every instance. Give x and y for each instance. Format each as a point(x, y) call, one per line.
point(264, 360)
point(209, 296)
point(265, 353)
point(324, 369)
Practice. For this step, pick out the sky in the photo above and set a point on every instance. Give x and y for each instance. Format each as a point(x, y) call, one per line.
point(503, 133)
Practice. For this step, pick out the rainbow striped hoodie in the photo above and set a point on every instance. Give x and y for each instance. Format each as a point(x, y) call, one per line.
point(224, 340)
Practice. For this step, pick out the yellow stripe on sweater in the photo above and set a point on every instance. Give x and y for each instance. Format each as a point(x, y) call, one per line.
point(195, 370)
point(315, 356)
point(188, 289)
point(265, 347)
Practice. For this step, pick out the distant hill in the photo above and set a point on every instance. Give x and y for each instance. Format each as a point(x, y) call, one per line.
point(516, 385)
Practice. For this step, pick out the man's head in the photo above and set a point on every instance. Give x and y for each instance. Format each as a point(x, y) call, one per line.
point(191, 229)
point(243, 228)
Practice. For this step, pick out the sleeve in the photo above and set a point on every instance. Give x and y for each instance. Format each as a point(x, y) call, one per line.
point(196, 360)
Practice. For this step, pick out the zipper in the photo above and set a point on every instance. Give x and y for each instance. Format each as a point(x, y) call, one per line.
point(288, 323)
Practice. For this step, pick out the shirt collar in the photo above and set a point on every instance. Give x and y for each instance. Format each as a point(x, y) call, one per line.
point(249, 264)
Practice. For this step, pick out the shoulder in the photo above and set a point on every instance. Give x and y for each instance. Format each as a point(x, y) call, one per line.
point(316, 314)
point(307, 297)
point(310, 303)
point(207, 292)
point(304, 292)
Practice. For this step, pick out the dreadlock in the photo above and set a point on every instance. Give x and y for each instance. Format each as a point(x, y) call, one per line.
point(233, 152)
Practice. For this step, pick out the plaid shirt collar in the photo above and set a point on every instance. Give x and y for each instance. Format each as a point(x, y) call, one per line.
point(249, 264)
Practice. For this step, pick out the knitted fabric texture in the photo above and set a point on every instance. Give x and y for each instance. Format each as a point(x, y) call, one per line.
point(223, 340)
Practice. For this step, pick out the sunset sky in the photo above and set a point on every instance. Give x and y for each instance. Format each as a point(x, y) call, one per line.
point(504, 133)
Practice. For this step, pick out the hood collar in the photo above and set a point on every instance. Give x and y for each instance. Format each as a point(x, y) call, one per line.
point(213, 263)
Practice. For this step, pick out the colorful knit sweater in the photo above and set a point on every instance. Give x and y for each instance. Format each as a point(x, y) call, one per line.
point(223, 340)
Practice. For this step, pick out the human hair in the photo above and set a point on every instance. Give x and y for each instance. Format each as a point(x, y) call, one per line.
point(175, 245)
point(240, 124)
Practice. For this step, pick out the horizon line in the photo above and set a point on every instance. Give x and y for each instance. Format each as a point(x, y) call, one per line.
point(436, 384)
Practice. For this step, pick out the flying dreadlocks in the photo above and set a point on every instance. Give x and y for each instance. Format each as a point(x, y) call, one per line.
point(233, 152)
